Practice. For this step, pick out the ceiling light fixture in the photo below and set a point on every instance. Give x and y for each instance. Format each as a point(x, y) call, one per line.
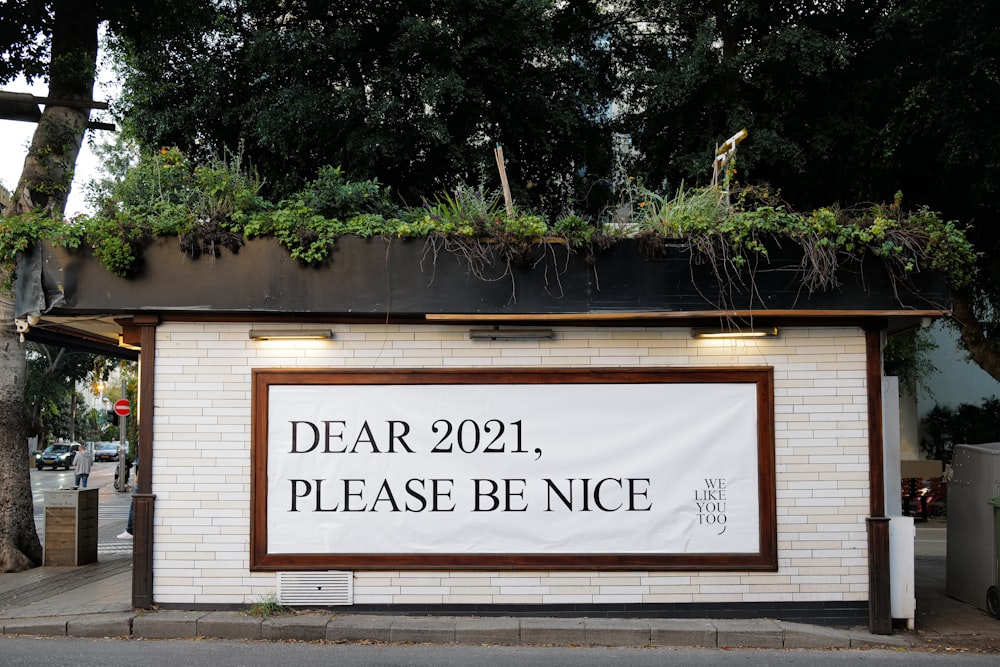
point(496, 333)
point(291, 334)
point(761, 332)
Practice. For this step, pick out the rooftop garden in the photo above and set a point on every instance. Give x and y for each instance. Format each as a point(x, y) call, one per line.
point(217, 206)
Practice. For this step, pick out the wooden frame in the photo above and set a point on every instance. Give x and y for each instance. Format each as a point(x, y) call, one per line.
point(765, 559)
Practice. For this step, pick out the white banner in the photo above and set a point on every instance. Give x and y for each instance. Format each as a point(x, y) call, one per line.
point(653, 468)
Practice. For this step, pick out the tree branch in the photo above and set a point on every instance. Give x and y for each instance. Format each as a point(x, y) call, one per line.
point(972, 331)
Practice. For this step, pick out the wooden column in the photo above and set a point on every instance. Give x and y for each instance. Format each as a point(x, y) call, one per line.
point(879, 593)
point(142, 551)
point(144, 499)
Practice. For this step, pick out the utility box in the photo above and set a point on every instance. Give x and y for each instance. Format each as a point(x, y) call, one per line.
point(70, 527)
point(993, 594)
point(971, 558)
point(902, 578)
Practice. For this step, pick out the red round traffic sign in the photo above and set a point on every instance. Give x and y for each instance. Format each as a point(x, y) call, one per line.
point(122, 407)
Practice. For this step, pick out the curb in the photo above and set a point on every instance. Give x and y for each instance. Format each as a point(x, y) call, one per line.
point(507, 631)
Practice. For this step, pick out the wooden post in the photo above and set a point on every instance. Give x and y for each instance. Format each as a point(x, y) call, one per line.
point(879, 564)
point(142, 547)
point(879, 580)
point(142, 551)
point(508, 201)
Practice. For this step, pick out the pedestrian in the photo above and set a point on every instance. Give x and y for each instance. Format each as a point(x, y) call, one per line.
point(129, 528)
point(82, 463)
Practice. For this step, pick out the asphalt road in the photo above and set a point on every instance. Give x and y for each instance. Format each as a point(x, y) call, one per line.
point(112, 510)
point(110, 653)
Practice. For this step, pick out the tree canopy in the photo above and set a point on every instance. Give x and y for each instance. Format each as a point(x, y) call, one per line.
point(416, 93)
point(51, 383)
point(846, 102)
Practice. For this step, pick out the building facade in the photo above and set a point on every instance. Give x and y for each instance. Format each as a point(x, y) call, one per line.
point(568, 446)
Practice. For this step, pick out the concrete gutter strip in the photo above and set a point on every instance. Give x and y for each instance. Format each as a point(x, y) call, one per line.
point(509, 631)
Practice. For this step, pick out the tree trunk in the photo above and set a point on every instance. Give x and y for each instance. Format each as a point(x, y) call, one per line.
point(44, 186)
point(20, 548)
point(971, 330)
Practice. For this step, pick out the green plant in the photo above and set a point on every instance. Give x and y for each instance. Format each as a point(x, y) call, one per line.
point(466, 212)
point(477, 226)
point(19, 232)
point(309, 223)
point(367, 225)
point(164, 194)
point(688, 212)
point(267, 605)
point(733, 236)
point(217, 205)
point(575, 229)
point(333, 195)
point(307, 235)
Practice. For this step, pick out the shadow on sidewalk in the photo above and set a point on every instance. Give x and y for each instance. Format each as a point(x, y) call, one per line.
point(54, 591)
point(942, 621)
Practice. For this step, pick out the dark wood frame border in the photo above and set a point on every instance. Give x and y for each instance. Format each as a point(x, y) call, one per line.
point(766, 559)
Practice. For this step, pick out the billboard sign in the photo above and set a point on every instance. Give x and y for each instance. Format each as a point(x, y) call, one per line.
point(659, 468)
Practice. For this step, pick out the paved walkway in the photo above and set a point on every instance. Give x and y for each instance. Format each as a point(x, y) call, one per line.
point(94, 601)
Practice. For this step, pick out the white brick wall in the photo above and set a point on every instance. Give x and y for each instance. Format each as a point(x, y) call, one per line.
point(201, 473)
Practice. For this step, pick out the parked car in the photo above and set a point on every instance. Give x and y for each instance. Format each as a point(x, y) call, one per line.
point(106, 451)
point(57, 455)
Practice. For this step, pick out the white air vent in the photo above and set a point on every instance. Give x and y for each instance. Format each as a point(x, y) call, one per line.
point(316, 588)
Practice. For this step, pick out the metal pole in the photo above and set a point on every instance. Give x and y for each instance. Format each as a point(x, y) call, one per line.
point(122, 449)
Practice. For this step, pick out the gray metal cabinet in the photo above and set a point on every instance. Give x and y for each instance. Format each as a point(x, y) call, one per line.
point(971, 568)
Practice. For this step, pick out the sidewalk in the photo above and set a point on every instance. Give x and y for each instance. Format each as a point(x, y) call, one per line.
point(94, 601)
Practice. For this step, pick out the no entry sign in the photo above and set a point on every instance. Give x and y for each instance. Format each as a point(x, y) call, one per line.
point(122, 407)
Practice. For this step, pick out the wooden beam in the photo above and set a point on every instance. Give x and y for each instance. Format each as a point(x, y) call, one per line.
point(21, 98)
point(24, 107)
point(679, 315)
point(131, 334)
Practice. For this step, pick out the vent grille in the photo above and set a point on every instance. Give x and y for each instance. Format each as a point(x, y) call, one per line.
point(316, 588)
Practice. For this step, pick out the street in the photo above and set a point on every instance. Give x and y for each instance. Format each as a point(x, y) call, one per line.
point(113, 509)
point(110, 653)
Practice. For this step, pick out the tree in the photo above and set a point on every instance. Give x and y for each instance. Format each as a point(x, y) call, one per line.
point(942, 139)
point(791, 72)
point(845, 102)
point(54, 40)
point(413, 92)
point(944, 427)
point(71, 26)
point(53, 374)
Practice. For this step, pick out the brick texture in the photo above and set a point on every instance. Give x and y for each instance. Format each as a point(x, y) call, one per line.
point(202, 468)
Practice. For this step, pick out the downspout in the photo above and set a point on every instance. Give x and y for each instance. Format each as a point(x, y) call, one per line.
point(879, 593)
point(142, 555)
